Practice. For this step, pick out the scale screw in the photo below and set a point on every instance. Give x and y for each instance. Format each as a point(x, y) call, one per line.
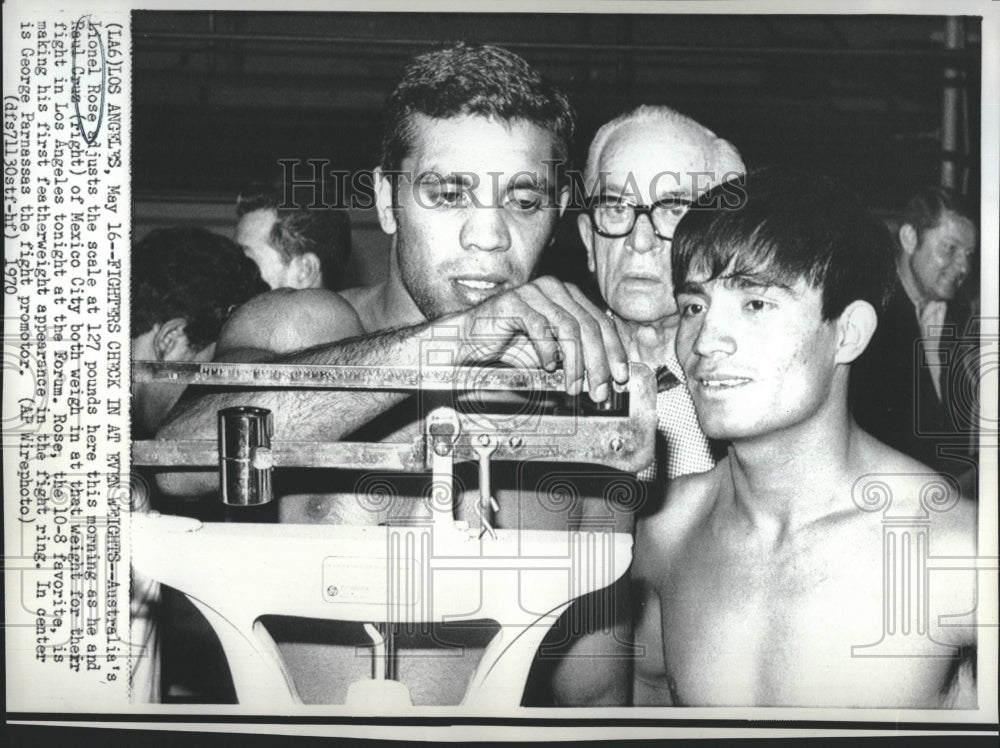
point(332, 591)
point(617, 444)
point(516, 442)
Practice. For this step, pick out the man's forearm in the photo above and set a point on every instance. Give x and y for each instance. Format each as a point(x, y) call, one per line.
point(303, 415)
point(544, 313)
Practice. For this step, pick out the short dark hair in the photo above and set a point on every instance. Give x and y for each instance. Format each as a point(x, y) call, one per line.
point(781, 225)
point(190, 273)
point(925, 209)
point(324, 231)
point(479, 80)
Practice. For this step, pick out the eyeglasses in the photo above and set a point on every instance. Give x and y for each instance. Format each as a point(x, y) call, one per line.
point(613, 217)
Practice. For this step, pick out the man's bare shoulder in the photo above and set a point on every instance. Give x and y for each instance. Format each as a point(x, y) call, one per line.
point(689, 499)
point(286, 320)
point(894, 485)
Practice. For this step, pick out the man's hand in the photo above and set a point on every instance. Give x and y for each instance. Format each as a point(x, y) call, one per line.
point(559, 324)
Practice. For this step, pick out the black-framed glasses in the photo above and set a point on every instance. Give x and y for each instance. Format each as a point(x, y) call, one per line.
point(613, 217)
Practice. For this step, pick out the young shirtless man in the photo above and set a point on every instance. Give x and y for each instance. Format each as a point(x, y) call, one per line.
point(768, 570)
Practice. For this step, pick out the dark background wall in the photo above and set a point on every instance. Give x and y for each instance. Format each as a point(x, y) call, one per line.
point(219, 97)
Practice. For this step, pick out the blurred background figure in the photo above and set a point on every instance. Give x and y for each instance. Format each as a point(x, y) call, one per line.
point(186, 282)
point(297, 247)
point(916, 386)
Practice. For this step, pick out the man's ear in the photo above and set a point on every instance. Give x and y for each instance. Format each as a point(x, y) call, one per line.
point(908, 238)
point(307, 271)
point(587, 237)
point(384, 202)
point(855, 328)
point(170, 343)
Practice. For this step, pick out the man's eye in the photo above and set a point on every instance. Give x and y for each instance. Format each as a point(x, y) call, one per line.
point(442, 195)
point(692, 308)
point(758, 305)
point(453, 197)
point(524, 200)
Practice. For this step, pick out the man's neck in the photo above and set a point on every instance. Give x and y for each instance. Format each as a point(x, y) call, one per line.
point(909, 283)
point(394, 305)
point(385, 306)
point(786, 480)
point(650, 343)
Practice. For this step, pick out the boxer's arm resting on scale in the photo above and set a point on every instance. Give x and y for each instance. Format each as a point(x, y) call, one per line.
point(268, 328)
point(557, 320)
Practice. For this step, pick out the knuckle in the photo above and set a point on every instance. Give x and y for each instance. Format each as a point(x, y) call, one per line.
point(535, 320)
point(565, 323)
point(570, 327)
point(590, 326)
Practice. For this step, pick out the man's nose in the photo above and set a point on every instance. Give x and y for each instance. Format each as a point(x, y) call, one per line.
point(642, 237)
point(962, 262)
point(715, 335)
point(485, 229)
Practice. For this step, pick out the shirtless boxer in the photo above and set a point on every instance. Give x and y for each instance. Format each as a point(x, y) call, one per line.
point(463, 252)
point(467, 191)
point(768, 570)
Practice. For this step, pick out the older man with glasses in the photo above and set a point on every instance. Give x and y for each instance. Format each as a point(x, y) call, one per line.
point(643, 170)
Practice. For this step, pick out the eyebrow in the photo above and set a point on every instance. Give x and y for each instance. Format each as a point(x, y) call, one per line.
point(752, 280)
point(615, 193)
point(432, 176)
point(677, 194)
point(613, 189)
point(694, 288)
point(741, 281)
point(528, 181)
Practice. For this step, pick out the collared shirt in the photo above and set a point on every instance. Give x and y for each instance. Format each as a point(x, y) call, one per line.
point(685, 447)
point(681, 446)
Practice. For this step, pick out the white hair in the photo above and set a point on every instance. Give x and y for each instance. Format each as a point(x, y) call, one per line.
point(724, 159)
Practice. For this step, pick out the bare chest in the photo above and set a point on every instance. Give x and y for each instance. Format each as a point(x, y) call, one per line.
point(784, 629)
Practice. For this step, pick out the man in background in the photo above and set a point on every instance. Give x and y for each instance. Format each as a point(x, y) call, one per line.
point(916, 385)
point(294, 247)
